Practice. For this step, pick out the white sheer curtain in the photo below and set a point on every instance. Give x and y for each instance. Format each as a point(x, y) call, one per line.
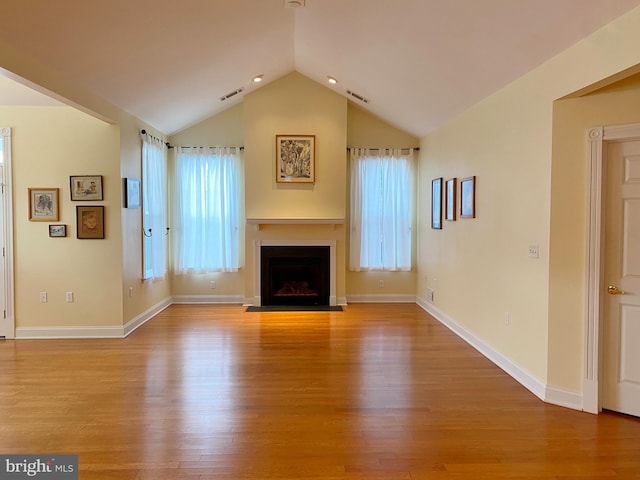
point(207, 212)
point(381, 209)
point(154, 205)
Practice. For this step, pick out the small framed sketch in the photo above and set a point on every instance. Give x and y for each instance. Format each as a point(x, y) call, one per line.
point(450, 200)
point(89, 222)
point(86, 187)
point(468, 197)
point(436, 203)
point(295, 158)
point(131, 193)
point(57, 230)
point(43, 204)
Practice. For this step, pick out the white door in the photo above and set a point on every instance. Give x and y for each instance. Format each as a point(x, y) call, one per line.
point(621, 328)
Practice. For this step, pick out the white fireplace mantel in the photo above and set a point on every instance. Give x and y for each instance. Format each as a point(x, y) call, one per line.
point(259, 221)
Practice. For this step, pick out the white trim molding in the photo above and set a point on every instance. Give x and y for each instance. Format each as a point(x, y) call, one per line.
point(208, 299)
point(597, 139)
point(52, 333)
point(92, 332)
point(544, 392)
point(136, 322)
point(386, 298)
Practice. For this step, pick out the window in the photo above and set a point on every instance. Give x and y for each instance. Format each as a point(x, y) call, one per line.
point(381, 209)
point(154, 207)
point(207, 209)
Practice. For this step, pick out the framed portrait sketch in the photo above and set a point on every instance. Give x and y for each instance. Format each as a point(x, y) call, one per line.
point(450, 200)
point(295, 158)
point(436, 203)
point(86, 187)
point(468, 197)
point(89, 222)
point(131, 193)
point(57, 230)
point(43, 204)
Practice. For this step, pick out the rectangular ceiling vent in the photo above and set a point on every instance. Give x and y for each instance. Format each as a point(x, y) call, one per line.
point(359, 97)
point(231, 94)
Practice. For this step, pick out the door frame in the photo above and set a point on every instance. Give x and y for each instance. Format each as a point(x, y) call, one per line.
point(598, 138)
point(6, 185)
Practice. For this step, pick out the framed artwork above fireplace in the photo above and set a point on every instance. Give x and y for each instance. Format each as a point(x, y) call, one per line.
point(295, 158)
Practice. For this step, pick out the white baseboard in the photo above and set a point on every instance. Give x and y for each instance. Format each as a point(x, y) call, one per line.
point(145, 316)
point(208, 299)
point(563, 398)
point(91, 332)
point(544, 392)
point(68, 332)
point(386, 298)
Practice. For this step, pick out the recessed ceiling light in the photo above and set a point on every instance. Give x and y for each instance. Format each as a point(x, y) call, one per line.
point(332, 80)
point(258, 78)
point(294, 3)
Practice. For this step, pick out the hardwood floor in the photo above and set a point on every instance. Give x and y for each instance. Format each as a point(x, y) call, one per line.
point(375, 392)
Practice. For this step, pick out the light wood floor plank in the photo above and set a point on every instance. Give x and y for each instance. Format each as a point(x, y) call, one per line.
point(374, 392)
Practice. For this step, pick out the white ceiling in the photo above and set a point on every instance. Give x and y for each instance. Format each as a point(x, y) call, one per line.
point(419, 62)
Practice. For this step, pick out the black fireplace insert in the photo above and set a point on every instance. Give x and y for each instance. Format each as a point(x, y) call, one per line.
point(294, 275)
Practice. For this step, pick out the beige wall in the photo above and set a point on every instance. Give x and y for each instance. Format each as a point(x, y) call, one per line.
point(479, 268)
point(618, 104)
point(125, 148)
point(49, 145)
point(366, 130)
point(295, 105)
point(224, 129)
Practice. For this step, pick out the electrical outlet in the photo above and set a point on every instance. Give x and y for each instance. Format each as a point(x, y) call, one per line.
point(381, 284)
point(533, 251)
point(212, 284)
point(506, 319)
point(130, 292)
point(69, 296)
point(430, 295)
point(43, 297)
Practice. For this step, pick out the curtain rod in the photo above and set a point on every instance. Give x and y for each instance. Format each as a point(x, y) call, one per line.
point(187, 146)
point(144, 132)
point(390, 148)
point(168, 145)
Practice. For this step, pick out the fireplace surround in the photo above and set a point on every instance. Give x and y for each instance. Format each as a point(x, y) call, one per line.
point(295, 272)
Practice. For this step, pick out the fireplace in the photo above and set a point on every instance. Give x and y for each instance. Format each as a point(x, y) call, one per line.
point(295, 274)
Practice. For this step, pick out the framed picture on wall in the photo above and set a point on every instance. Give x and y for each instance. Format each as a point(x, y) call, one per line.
point(436, 203)
point(131, 193)
point(57, 230)
point(450, 199)
point(295, 158)
point(86, 187)
point(43, 204)
point(89, 222)
point(468, 197)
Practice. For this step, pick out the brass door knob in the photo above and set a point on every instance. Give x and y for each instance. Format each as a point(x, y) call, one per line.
point(613, 290)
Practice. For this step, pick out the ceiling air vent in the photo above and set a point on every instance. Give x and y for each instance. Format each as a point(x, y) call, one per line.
point(231, 94)
point(359, 97)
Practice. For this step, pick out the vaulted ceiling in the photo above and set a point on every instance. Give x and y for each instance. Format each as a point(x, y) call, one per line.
point(418, 62)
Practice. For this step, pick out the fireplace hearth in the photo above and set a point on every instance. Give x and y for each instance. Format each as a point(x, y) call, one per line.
point(295, 275)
